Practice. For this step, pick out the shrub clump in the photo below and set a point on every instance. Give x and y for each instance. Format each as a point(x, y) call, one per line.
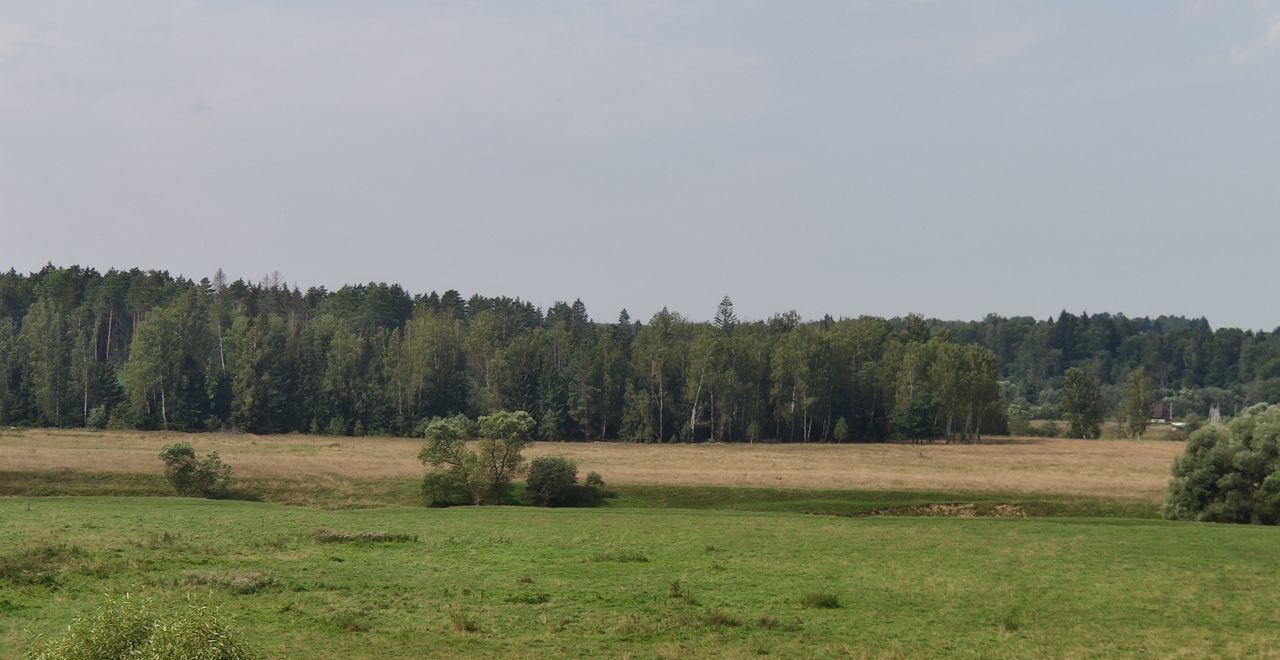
point(445, 488)
point(349, 621)
point(768, 621)
point(193, 477)
point(719, 619)
point(39, 565)
point(553, 481)
point(241, 584)
point(1230, 474)
point(464, 623)
point(131, 627)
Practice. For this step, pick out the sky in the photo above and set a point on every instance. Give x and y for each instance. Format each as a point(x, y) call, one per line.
point(845, 158)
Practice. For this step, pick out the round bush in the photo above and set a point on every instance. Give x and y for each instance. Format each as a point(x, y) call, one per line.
point(193, 477)
point(1230, 474)
point(553, 481)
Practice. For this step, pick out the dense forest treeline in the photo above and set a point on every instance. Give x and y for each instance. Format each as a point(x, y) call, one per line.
point(143, 349)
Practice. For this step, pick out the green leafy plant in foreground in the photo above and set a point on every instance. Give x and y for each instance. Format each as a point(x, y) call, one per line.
point(130, 626)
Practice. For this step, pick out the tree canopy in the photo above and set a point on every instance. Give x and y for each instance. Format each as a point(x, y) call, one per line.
point(1232, 473)
point(149, 350)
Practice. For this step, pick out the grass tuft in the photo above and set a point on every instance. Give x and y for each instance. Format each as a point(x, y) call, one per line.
point(349, 621)
point(620, 556)
point(820, 600)
point(529, 599)
point(719, 619)
point(678, 592)
point(240, 583)
point(165, 539)
point(325, 535)
point(1011, 621)
point(464, 623)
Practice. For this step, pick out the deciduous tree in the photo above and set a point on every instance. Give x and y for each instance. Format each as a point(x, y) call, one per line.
point(1139, 395)
point(1082, 403)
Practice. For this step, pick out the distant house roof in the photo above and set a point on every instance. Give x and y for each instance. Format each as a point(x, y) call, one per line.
point(1158, 411)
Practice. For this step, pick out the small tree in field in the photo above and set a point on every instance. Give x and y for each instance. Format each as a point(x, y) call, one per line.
point(842, 430)
point(1082, 403)
point(462, 474)
point(193, 477)
point(456, 476)
point(1138, 397)
point(505, 436)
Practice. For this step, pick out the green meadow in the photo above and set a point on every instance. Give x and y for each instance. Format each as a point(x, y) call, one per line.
point(644, 581)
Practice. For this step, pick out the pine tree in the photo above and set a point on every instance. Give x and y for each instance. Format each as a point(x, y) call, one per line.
point(725, 320)
point(580, 318)
point(624, 331)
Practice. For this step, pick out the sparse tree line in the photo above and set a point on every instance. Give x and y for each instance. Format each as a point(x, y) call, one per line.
point(143, 349)
point(457, 474)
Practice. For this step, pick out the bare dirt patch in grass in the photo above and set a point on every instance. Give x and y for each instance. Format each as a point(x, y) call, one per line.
point(1134, 470)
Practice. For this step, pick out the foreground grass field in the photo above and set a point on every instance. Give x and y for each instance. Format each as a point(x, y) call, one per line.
point(650, 583)
point(704, 551)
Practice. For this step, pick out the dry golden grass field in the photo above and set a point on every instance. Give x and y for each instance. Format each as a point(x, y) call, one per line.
point(1113, 469)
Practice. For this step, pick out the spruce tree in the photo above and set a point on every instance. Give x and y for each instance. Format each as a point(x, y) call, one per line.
point(725, 320)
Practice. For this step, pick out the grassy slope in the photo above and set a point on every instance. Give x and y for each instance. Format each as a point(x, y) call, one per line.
point(856, 503)
point(910, 587)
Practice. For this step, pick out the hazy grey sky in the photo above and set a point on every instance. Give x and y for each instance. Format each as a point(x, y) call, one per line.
point(949, 158)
